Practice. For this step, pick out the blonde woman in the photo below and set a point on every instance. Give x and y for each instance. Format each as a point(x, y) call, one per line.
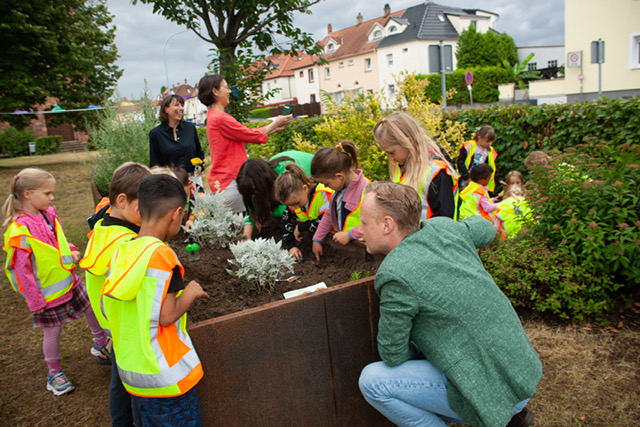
point(417, 161)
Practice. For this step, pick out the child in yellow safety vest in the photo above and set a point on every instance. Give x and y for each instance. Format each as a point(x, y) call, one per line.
point(145, 302)
point(512, 212)
point(337, 168)
point(306, 202)
point(474, 199)
point(39, 266)
point(120, 224)
point(479, 151)
point(417, 161)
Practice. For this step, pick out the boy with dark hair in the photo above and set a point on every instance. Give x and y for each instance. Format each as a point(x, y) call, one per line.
point(145, 301)
point(121, 224)
point(474, 199)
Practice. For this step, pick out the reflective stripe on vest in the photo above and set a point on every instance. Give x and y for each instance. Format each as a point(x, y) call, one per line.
point(51, 266)
point(153, 360)
point(513, 211)
point(433, 168)
point(492, 155)
point(353, 218)
point(318, 205)
point(103, 242)
point(470, 206)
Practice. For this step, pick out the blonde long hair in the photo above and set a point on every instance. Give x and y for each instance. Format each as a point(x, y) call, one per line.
point(27, 179)
point(402, 129)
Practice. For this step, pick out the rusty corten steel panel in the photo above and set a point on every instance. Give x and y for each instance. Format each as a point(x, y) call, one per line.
point(352, 324)
point(266, 367)
point(290, 363)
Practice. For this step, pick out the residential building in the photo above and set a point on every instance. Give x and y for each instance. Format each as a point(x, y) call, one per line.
point(368, 56)
point(618, 25)
point(306, 81)
point(194, 110)
point(281, 77)
point(546, 59)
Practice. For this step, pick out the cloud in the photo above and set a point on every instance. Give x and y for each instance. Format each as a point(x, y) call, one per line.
point(147, 41)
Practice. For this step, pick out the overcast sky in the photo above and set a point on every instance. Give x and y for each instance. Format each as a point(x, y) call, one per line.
point(152, 48)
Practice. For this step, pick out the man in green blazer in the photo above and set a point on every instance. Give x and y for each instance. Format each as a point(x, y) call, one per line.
point(451, 344)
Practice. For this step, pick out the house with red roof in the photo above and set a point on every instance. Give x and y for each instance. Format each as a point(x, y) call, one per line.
point(366, 57)
point(280, 80)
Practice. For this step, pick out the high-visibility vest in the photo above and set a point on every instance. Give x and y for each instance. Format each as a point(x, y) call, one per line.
point(492, 155)
point(433, 168)
point(512, 211)
point(103, 242)
point(51, 266)
point(153, 360)
point(470, 198)
point(317, 206)
point(353, 218)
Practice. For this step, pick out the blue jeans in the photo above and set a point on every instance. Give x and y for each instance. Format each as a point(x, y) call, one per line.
point(120, 405)
point(411, 394)
point(177, 411)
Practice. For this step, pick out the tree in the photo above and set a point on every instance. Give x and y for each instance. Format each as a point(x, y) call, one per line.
point(63, 49)
point(235, 28)
point(485, 49)
point(519, 72)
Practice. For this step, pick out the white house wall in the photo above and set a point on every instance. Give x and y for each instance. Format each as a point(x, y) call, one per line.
point(286, 92)
point(412, 57)
point(543, 55)
point(350, 74)
point(303, 88)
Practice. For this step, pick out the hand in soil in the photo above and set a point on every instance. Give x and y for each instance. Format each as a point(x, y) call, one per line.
point(342, 237)
point(296, 253)
point(317, 250)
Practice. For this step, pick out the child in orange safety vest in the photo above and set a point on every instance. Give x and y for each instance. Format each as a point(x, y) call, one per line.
point(39, 266)
point(306, 201)
point(145, 301)
point(119, 224)
point(474, 199)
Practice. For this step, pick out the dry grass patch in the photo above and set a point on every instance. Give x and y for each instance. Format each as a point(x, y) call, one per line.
point(591, 376)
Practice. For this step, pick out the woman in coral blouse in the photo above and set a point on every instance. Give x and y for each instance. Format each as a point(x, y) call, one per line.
point(227, 138)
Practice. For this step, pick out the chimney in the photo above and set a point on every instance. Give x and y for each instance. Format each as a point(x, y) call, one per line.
point(329, 29)
point(387, 10)
point(359, 18)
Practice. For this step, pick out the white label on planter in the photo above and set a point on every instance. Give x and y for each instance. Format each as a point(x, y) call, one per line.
point(306, 290)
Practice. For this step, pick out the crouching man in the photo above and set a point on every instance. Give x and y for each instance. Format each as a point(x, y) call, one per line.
point(452, 346)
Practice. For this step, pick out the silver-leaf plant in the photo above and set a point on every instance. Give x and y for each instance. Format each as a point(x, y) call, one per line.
point(215, 225)
point(261, 262)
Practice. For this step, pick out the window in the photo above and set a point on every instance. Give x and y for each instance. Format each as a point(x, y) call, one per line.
point(474, 24)
point(634, 50)
point(377, 34)
point(301, 74)
point(341, 65)
point(327, 73)
point(350, 63)
point(532, 66)
point(312, 98)
point(311, 78)
point(393, 29)
point(331, 47)
point(268, 86)
point(367, 64)
point(552, 64)
point(391, 89)
point(405, 49)
point(389, 59)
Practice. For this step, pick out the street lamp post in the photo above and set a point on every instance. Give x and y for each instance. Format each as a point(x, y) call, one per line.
point(164, 54)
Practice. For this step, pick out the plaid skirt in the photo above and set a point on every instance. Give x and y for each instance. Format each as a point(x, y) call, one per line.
point(64, 313)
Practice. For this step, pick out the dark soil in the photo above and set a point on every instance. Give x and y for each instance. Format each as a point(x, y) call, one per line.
point(230, 294)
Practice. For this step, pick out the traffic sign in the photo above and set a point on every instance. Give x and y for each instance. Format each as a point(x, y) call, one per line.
point(468, 77)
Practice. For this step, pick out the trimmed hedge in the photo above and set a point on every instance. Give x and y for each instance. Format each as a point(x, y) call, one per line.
point(14, 142)
point(48, 144)
point(485, 85)
point(523, 129)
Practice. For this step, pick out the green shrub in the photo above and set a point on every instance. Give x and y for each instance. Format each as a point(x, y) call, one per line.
point(260, 113)
point(48, 144)
point(484, 89)
point(537, 276)
point(15, 142)
point(587, 203)
point(118, 140)
point(523, 129)
point(204, 140)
